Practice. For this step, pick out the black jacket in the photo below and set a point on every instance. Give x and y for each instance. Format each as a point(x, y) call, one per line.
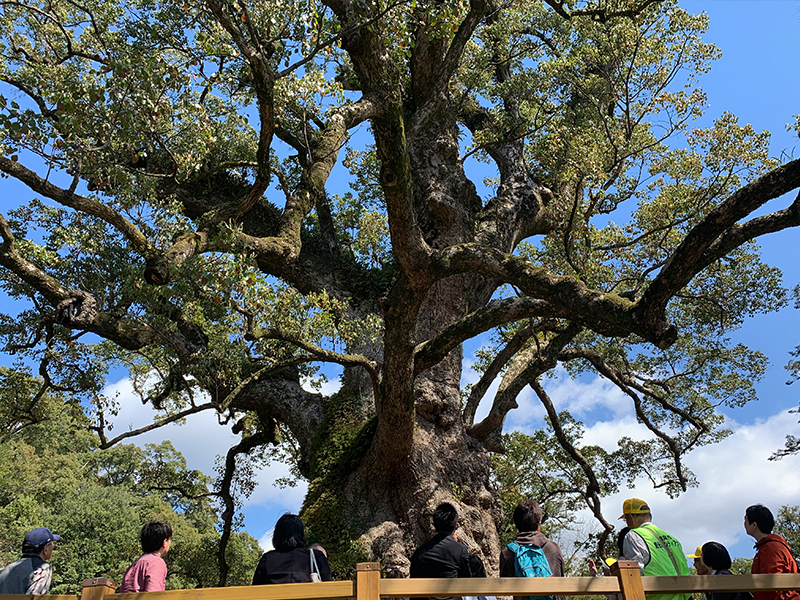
point(441, 556)
point(291, 566)
point(728, 595)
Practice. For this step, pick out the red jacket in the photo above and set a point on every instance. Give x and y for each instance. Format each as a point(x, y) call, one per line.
point(774, 556)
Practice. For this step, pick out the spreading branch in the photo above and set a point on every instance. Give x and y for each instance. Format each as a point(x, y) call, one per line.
point(105, 443)
point(70, 199)
point(593, 489)
point(496, 312)
point(603, 312)
point(527, 367)
point(691, 256)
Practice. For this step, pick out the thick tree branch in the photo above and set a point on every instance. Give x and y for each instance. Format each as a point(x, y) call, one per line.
point(603, 312)
point(264, 83)
point(412, 252)
point(45, 284)
point(496, 312)
point(67, 198)
point(500, 360)
point(527, 367)
point(431, 93)
point(690, 257)
point(277, 254)
point(600, 15)
point(756, 227)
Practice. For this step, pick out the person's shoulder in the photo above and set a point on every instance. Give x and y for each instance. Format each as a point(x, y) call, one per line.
point(772, 543)
point(15, 564)
point(553, 545)
point(636, 533)
point(427, 545)
point(152, 561)
point(420, 549)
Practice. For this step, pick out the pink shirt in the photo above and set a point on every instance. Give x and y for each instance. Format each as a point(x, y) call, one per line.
point(147, 574)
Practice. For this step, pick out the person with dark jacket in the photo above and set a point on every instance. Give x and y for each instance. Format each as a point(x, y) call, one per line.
point(773, 554)
point(442, 555)
point(31, 574)
point(712, 558)
point(291, 561)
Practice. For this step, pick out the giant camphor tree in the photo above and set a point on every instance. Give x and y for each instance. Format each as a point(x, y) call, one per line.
point(522, 170)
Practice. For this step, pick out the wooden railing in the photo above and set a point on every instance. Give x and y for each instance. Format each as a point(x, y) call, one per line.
point(625, 580)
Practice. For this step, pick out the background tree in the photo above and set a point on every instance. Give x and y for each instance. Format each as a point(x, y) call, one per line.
point(181, 156)
point(787, 524)
point(53, 475)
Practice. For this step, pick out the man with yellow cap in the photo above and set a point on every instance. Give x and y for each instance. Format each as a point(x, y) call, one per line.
point(656, 551)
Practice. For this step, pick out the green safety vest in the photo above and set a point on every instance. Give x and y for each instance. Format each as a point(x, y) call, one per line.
point(666, 557)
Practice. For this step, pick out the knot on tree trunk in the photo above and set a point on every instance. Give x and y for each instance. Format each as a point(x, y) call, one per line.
point(79, 310)
point(156, 272)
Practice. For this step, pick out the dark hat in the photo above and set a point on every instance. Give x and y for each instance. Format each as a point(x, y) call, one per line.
point(39, 537)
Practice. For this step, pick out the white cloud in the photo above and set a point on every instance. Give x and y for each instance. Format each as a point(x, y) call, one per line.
point(200, 439)
point(330, 386)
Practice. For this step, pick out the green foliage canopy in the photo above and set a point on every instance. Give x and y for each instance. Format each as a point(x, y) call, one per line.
point(181, 155)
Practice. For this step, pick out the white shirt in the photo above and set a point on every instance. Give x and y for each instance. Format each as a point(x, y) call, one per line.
point(635, 548)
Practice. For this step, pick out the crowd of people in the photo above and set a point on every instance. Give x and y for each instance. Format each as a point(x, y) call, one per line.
point(531, 554)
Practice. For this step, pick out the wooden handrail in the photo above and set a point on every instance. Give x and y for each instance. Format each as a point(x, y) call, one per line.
point(502, 586)
point(289, 591)
point(29, 597)
point(626, 580)
point(723, 583)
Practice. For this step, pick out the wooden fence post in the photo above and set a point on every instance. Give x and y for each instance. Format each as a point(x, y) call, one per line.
point(630, 579)
point(97, 588)
point(368, 581)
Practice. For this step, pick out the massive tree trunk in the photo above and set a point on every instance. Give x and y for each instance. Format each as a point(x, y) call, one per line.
point(391, 491)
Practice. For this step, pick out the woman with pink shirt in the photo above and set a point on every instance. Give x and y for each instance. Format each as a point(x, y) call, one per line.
point(149, 572)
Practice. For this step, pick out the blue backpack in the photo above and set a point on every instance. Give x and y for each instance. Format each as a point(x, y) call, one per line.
point(530, 561)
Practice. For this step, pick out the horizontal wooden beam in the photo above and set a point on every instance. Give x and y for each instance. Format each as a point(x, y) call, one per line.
point(290, 591)
point(29, 597)
point(503, 586)
point(723, 583)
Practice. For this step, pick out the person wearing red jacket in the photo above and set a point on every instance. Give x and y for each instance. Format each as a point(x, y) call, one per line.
point(773, 554)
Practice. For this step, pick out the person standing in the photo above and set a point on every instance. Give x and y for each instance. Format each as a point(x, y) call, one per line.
point(712, 558)
point(149, 572)
point(291, 561)
point(656, 551)
point(773, 554)
point(531, 546)
point(442, 555)
point(31, 574)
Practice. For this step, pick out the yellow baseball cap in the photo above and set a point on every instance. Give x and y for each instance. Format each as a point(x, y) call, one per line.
point(697, 553)
point(634, 506)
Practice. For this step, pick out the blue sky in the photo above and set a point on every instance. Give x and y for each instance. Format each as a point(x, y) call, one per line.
point(757, 79)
